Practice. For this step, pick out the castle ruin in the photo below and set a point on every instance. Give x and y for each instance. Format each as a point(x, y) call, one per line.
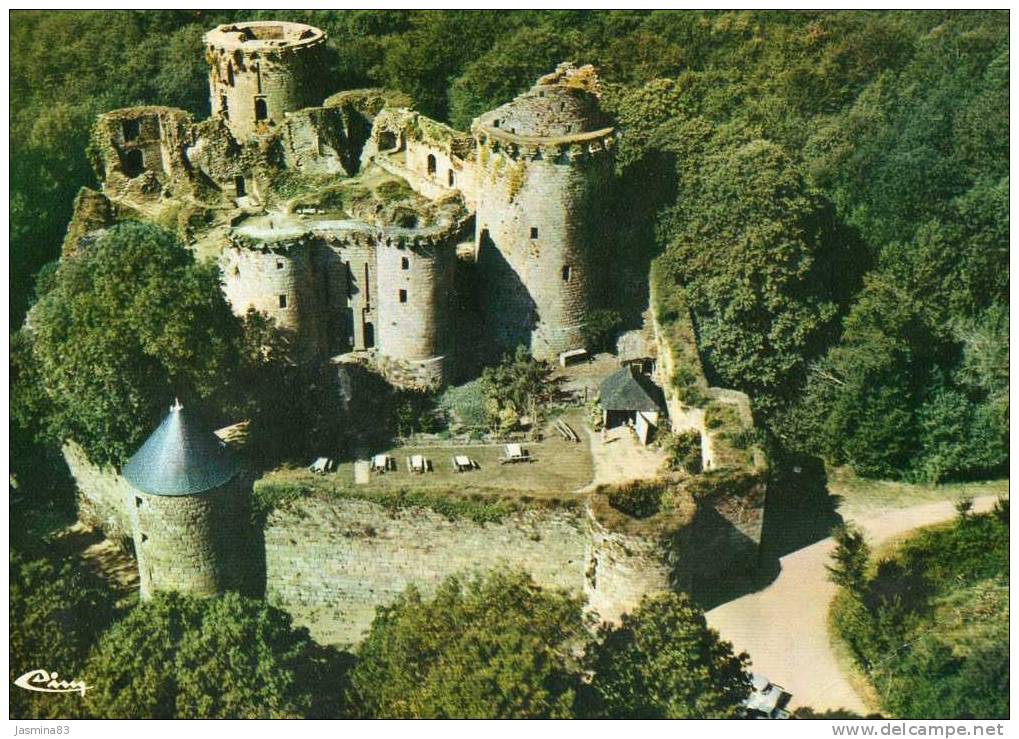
point(346, 219)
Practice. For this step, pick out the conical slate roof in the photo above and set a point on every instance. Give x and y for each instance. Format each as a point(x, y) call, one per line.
point(628, 390)
point(181, 457)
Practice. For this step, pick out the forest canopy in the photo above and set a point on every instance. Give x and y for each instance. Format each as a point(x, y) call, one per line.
point(829, 189)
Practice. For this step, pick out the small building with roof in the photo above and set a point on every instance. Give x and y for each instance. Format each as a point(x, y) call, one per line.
point(629, 397)
point(189, 511)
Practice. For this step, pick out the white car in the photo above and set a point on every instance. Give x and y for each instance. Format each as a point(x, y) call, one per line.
point(767, 700)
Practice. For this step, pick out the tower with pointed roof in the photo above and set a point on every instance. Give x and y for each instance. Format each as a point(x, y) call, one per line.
point(187, 509)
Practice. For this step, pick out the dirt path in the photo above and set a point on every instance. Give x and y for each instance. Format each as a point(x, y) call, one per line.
point(619, 457)
point(784, 626)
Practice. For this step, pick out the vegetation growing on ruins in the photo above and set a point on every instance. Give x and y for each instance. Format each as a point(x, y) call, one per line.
point(928, 622)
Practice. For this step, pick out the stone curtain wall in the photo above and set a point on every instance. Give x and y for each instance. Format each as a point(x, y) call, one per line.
point(330, 564)
point(103, 495)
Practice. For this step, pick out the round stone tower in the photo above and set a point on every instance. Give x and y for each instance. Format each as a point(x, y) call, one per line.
point(260, 70)
point(280, 278)
point(414, 288)
point(544, 164)
point(187, 509)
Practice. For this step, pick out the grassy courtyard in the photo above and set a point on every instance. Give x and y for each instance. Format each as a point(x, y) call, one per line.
point(557, 471)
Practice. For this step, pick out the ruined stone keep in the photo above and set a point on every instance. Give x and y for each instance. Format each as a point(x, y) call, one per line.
point(347, 219)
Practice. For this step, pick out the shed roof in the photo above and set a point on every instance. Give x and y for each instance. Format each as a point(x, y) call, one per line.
point(181, 457)
point(629, 390)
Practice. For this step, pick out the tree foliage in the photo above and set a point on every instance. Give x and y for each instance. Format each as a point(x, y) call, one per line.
point(925, 623)
point(57, 612)
point(490, 647)
point(663, 661)
point(176, 656)
point(124, 328)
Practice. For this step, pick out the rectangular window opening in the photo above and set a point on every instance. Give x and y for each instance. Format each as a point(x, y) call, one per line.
point(404, 263)
point(279, 264)
point(283, 301)
point(534, 232)
point(403, 296)
point(567, 272)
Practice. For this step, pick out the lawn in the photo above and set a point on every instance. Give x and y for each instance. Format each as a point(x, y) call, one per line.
point(860, 496)
point(558, 469)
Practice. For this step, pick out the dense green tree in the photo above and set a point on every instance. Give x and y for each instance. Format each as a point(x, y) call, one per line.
point(490, 647)
point(57, 612)
point(663, 661)
point(176, 656)
point(125, 327)
point(848, 568)
point(748, 255)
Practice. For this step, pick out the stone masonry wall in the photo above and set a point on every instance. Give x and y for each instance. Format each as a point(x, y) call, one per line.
point(332, 564)
point(103, 495)
point(285, 78)
point(190, 543)
point(283, 284)
point(535, 243)
point(414, 295)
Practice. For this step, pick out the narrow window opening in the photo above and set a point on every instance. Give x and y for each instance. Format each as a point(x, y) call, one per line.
point(131, 130)
point(369, 335)
point(404, 263)
point(431, 164)
point(261, 110)
point(534, 232)
point(451, 177)
point(230, 74)
point(134, 162)
point(224, 107)
point(567, 272)
point(279, 264)
point(240, 186)
point(367, 295)
point(283, 301)
point(137, 502)
point(403, 296)
point(495, 123)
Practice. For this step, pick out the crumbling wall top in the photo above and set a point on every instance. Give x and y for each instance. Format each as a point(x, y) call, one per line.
point(562, 104)
point(263, 36)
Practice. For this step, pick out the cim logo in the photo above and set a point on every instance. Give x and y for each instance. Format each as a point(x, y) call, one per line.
point(44, 681)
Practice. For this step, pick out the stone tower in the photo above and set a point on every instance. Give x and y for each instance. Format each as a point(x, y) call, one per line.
point(187, 510)
point(544, 164)
point(260, 70)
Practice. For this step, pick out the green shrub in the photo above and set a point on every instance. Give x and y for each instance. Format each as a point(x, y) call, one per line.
point(638, 498)
point(684, 451)
point(723, 483)
point(928, 625)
